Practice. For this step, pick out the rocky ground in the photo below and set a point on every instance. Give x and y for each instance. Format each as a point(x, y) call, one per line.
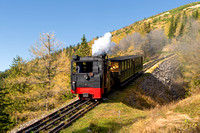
point(165, 83)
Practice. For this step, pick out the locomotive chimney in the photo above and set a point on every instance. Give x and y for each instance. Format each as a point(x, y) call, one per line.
point(103, 55)
point(75, 57)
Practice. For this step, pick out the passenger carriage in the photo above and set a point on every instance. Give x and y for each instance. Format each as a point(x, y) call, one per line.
point(92, 77)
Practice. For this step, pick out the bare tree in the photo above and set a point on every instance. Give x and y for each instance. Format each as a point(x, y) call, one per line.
point(43, 51)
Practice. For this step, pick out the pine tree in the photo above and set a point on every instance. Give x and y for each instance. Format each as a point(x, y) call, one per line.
point(184, 17)
point(181, 29)
point(149, 27)
point(84, 49)
point(170, 28)
point(145, 28)
point(195, 14)
point(27, 78)
point(176, 21)
point(5, 120)
point(16, 79)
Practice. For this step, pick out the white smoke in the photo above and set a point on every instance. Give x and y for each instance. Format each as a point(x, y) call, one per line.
point(102, 45)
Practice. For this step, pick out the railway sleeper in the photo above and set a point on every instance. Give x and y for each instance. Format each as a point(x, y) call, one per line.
point(63, 115)
point(46, 121)
point(72, 118)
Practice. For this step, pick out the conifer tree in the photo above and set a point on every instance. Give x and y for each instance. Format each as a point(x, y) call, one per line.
point(16, 79)
point(48, 67)
point(195, 14)
point(84, 49)
point(62, 76)
point(181, 29)
point(145, 28)
point(176, 21)
point(148, 27)
point(69, 51)
point(184, 17)
point(5, 120)
point(44, 63)
point(170, 28)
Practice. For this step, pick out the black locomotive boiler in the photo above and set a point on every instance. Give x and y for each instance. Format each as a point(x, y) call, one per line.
point(92, 77)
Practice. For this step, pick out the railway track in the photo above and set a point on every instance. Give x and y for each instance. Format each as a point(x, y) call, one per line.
point(152, 63)
point(61, 118)
point(145, 68)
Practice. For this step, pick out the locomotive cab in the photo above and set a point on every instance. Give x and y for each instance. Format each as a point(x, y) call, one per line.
point(87, 76)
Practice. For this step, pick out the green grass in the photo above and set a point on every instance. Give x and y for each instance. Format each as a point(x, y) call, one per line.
point(191, 107)
point(105, 117)
point(130, 110)
point(111, 115)
point(177, 10)
point(116, 114)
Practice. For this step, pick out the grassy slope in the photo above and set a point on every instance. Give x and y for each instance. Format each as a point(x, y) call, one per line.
point(182, 116)
point(111, 115)
point(117, 35)
point(120, 113)
point(144, 114)
point(156, 21)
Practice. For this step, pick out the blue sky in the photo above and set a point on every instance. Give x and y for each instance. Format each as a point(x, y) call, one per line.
point(21, 21)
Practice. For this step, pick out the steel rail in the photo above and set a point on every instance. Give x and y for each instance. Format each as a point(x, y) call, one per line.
point(149, 65)
point(73, 110)
point(145, 68)
point(23, 130)
point(67, 122)
point(75, 116)
point(54, 117)
point(48, 126)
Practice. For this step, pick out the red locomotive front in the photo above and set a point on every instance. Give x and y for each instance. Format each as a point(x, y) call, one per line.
point(88, 76)
point(94, 76)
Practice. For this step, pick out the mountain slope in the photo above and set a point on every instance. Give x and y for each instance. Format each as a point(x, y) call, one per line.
point(25, 101)
point(133, 110)
point(157, 21)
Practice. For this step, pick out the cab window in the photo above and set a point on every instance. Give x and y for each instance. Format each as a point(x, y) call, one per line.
point(82, 67)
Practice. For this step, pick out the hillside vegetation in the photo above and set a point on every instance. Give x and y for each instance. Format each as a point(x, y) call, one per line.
point(175, 31)
point(147, 114)
point(31, 88)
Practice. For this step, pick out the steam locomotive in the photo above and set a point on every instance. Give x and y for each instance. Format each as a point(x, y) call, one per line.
point(93, 77)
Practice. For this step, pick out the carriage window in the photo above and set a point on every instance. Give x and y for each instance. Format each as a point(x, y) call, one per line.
point(114, 67)
point(131, 63)
point(122, 65)
point(125, 66)
point(82, 67)
point(128, 64)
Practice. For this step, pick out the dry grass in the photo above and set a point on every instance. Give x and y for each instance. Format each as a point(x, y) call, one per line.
point(175, 117)
point(142, 115)
point(130, 110)
point(116, 116)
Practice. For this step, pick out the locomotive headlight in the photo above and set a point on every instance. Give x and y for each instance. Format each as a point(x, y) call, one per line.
point(86, 77)
point(74, 86)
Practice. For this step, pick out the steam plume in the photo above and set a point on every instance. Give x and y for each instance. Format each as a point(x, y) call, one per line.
point(146, 45)
point(102, 45)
